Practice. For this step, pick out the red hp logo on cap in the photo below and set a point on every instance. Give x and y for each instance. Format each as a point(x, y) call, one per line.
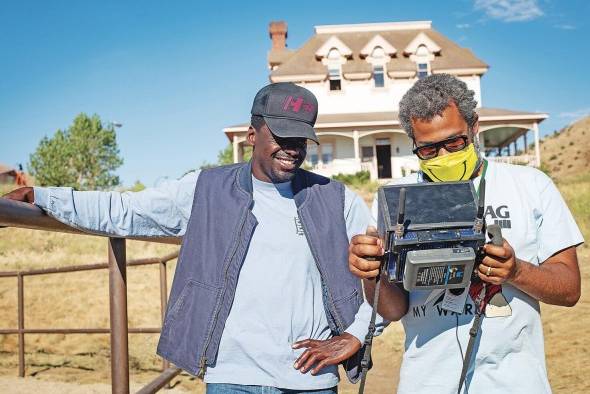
point(297, 104)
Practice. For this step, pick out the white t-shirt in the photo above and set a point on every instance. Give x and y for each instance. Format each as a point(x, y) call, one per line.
point(509, 351)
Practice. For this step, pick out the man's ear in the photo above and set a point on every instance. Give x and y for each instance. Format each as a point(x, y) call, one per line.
point(251, 136)
point(475, 128)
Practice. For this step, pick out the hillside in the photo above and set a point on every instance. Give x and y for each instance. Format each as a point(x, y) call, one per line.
point(566, 152)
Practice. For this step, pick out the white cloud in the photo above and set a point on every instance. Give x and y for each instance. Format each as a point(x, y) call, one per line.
point(510, 10)
point(565, 26)
point(577, 114)
point(463, 26)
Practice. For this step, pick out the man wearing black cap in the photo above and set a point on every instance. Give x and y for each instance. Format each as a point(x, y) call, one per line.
point(262, 298)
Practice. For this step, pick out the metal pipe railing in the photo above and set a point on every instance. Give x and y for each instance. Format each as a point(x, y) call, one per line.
point(24, 215)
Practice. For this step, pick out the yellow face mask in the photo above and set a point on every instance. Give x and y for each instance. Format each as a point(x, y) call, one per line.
point(456, 166)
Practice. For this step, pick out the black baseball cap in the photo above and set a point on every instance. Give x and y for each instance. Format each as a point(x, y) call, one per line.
point(288, 110)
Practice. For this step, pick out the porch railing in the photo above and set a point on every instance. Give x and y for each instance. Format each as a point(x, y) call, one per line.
point(17, 214)
point(528, 160)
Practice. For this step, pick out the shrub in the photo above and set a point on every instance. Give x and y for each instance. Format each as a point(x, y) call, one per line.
point(359, 180)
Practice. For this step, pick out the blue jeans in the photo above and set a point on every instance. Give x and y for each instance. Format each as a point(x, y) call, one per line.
point(226, 388)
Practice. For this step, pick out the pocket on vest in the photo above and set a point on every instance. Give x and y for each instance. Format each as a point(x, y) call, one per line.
point(189, 318)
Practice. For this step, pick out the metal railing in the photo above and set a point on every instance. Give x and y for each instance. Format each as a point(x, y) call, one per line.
point(528, 160)
point(18, 214)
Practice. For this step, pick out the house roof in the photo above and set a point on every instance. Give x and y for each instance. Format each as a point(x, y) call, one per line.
point(4, 168)
point(304, 61)
point(278, 56)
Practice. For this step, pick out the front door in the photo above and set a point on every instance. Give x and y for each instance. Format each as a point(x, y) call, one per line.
point(383, 161)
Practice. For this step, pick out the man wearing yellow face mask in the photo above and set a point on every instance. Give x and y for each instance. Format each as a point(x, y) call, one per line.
point(536, 263)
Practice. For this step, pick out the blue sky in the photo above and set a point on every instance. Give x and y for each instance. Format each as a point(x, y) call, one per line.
point(176, 73)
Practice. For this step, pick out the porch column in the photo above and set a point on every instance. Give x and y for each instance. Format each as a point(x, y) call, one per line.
point(537, 147)
point(526, 146)
point(481, 143)
point(355, 138)
point(236, 146)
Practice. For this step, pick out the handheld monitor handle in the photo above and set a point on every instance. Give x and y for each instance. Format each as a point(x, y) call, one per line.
point(401, 213)
point(495, 233)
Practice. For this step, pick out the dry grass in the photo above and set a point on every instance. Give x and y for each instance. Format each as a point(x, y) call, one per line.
point(567, 339)
point(567, 152)
point(76, 300)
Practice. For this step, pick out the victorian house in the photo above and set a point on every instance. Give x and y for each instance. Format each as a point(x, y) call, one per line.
point(359, 74)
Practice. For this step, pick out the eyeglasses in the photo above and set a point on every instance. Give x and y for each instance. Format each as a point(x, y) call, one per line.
point(452, 144)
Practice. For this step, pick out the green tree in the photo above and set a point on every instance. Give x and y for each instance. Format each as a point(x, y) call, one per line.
point(226, 156)
point(247, 152)
point(83, 157)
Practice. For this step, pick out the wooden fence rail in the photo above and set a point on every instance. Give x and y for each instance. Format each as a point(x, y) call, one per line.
point(18, 214)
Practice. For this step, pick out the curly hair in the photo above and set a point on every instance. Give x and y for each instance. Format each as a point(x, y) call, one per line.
point(430, 96)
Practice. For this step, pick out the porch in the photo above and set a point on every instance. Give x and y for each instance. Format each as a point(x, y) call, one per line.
point(375, 142)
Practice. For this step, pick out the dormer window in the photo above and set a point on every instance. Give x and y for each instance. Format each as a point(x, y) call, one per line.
point(378, 52)
point(422, 51)
point(378, 59)
point(422, 70)
point(333, 54)
point(379, 76)
point(334, 69)
point(335, 83)
point(422, 58)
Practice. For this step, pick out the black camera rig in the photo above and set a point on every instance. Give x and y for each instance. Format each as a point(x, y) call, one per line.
point(432, 232)
point(433, 235)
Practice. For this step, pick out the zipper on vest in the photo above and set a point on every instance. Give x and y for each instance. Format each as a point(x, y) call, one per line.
point(315, 258)
point(203, 360)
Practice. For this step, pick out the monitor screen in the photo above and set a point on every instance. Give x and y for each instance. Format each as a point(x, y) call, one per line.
point(433, 203)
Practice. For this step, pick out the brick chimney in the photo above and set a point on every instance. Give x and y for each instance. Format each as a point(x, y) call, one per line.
point(278, 34)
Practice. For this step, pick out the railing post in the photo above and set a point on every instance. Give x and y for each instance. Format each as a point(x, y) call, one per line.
point(163, 302)
point(118, 316)
point(21, 326)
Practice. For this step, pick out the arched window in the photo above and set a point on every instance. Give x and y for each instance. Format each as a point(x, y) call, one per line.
point(422, 62)
point(378, 53)
point(379, 58)
point(334, 54)
point(334, 66)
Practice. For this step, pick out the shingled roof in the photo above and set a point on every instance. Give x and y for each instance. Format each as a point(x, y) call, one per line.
point(451, 57)
point(4, 168)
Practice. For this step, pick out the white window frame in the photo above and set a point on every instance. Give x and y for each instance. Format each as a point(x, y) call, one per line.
point(380, 61)
point(334, 63)
point(423, 55)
